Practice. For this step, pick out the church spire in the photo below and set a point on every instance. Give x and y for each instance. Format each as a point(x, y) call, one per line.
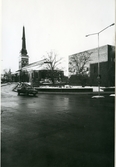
point(23, 50)
point(24, 58)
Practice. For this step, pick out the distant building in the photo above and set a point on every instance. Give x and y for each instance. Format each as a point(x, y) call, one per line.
point(106, 62)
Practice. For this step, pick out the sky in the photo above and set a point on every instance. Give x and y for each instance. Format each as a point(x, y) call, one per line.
point(58, 25)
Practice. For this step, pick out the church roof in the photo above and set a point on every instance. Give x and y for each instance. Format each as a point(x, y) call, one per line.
point(36, 66)
point(39, 65)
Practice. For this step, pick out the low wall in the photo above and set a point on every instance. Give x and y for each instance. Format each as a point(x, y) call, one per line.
point(109, 89)
point(65, 90)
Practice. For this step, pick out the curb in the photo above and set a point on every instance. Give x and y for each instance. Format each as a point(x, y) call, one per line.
point(5, 84)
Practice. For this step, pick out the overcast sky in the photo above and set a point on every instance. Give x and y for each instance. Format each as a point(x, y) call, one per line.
point(59, 25)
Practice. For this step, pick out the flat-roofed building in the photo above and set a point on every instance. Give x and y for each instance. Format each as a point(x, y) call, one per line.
point(106, 64)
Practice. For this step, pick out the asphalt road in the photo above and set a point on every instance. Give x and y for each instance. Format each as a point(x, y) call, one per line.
point(56, 130)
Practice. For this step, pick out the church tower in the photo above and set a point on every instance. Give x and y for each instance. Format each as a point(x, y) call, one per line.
point(24, 58)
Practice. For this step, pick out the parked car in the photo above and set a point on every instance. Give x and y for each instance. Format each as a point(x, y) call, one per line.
point(26, 89)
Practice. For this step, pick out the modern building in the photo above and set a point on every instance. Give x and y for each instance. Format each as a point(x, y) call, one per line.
point(106, 64)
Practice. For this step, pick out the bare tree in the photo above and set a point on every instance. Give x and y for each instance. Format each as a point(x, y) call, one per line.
point(7, 75)
point(52, 60)
point(78, 63)
point(53, 64)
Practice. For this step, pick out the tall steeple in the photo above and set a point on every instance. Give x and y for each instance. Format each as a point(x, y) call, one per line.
point(24, 58)
point(23, 50)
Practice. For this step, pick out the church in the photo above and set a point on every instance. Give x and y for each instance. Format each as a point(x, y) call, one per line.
point(36, 72)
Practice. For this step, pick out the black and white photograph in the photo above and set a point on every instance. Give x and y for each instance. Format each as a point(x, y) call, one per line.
point(57, 83)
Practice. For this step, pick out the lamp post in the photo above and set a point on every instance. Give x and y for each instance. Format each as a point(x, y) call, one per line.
point(99, 58)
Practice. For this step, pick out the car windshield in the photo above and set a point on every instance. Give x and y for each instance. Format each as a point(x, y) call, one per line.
point(25, 85)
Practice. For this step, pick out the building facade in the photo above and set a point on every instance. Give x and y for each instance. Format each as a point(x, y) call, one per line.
point(37, 73)
point(106, 64)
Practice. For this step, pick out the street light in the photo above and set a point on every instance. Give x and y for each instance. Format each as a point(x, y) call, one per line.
point(99, 58)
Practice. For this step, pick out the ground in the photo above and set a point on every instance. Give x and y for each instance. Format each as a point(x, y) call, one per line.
point(56, 130)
